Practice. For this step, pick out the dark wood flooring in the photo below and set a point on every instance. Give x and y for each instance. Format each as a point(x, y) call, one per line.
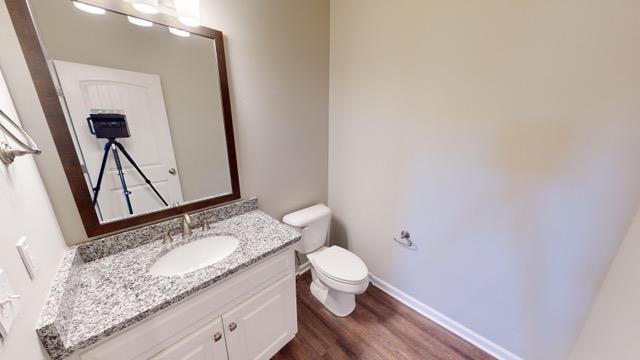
point(380, 328)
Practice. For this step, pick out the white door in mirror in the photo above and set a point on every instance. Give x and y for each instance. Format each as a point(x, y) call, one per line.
point(140, 97)
point(9, 305)
point(194, 256)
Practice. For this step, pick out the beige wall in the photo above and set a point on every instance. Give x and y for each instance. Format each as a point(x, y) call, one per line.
point(278, 59)
point(611, 329)
point(505, 137)
point(25, 210)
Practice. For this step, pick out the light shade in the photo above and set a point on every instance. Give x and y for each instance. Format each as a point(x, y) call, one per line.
point(146, 6)
point(89, 8)
point(188, 12)
point(139, 22)
point(179, 32)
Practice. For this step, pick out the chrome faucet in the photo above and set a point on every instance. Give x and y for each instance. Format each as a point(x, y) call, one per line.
point(167, 239)
point(186, 225)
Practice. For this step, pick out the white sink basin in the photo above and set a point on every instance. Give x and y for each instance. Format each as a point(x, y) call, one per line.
point(194, 256)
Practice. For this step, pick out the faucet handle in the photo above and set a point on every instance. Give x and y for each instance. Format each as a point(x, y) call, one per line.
point(167, 239)
point(205, 225)
point(186, 225)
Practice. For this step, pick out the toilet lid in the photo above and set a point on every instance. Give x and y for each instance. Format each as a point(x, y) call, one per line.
point(339, 264)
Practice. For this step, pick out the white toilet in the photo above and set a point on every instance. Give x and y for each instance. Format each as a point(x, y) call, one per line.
point(338, 274)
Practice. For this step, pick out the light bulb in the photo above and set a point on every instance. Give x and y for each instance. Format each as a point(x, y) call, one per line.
point(188, 12)
point(89, 8)
point(139, 22)
point(146, 6)
point(179, 32)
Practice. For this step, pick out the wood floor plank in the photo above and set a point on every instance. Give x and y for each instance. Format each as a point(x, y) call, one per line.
point(436, 332)
point(380, 328)
point(407, 332)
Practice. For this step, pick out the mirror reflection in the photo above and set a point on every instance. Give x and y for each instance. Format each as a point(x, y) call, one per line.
point(143, 107)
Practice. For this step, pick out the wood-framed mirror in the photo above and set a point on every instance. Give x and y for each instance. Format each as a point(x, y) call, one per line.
point(137, 104)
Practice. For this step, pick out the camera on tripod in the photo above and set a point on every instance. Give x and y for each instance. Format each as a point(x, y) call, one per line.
point(112, 126)
point(106, 126)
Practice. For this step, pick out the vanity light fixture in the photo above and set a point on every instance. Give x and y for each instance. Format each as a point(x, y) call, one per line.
point(146, 6)
point(89, 8)
point(188, 12)
point(178, 32)
point(139, 22)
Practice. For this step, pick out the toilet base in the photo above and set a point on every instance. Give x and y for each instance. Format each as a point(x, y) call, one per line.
point(339, 303)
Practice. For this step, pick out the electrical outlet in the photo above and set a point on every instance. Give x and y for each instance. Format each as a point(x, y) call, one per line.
point(24, 248)
point(9, 304)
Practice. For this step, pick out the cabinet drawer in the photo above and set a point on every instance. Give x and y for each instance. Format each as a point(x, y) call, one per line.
point(152, 335)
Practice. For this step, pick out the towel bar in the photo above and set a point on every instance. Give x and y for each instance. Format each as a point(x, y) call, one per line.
point(7, 152)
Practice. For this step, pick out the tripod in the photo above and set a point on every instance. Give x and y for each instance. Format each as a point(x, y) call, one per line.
point(114, 145)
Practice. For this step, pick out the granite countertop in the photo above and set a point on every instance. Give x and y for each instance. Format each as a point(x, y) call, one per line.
point(93, 300)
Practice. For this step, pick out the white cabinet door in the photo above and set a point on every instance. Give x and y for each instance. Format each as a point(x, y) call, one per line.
point(259, 327)
point(206, 343)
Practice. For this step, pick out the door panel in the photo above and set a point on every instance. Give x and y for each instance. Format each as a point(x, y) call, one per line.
point(139, 96)
point(259, 327)
point(200, 345)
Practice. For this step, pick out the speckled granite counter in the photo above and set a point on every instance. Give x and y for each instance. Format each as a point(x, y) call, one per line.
point(99, 291)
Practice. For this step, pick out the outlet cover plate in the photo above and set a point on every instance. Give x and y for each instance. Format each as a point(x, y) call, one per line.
point(24, 248)
point(9, 311)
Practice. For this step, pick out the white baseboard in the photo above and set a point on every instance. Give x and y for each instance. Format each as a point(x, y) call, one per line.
point(303, 268)
point(442, 320)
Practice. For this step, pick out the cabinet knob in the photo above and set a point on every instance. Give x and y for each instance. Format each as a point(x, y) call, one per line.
point(172, 171)
point(232, 326)
point(216, 337)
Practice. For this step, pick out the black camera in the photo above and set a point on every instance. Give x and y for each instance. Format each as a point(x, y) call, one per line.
point(108, 126)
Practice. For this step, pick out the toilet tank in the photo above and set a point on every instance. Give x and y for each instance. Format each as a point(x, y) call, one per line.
point(313, 222)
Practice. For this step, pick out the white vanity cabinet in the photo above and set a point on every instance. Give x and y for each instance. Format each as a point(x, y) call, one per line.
point(255, 329)
point(249, 316)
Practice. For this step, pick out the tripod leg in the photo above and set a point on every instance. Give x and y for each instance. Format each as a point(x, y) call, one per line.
point(96, 189)
point(125, 191)
point(126, 154)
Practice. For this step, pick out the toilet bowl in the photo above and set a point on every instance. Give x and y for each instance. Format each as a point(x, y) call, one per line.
point(337, 274)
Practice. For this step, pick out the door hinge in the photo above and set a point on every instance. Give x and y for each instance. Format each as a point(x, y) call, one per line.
point(84, 169)
point(59, 92)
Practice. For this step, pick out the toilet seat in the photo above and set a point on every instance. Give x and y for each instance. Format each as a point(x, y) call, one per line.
point(338, 275)
point(339, 265)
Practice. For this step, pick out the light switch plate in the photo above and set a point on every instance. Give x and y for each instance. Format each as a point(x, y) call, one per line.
point(8, 310)
point(24, 248)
